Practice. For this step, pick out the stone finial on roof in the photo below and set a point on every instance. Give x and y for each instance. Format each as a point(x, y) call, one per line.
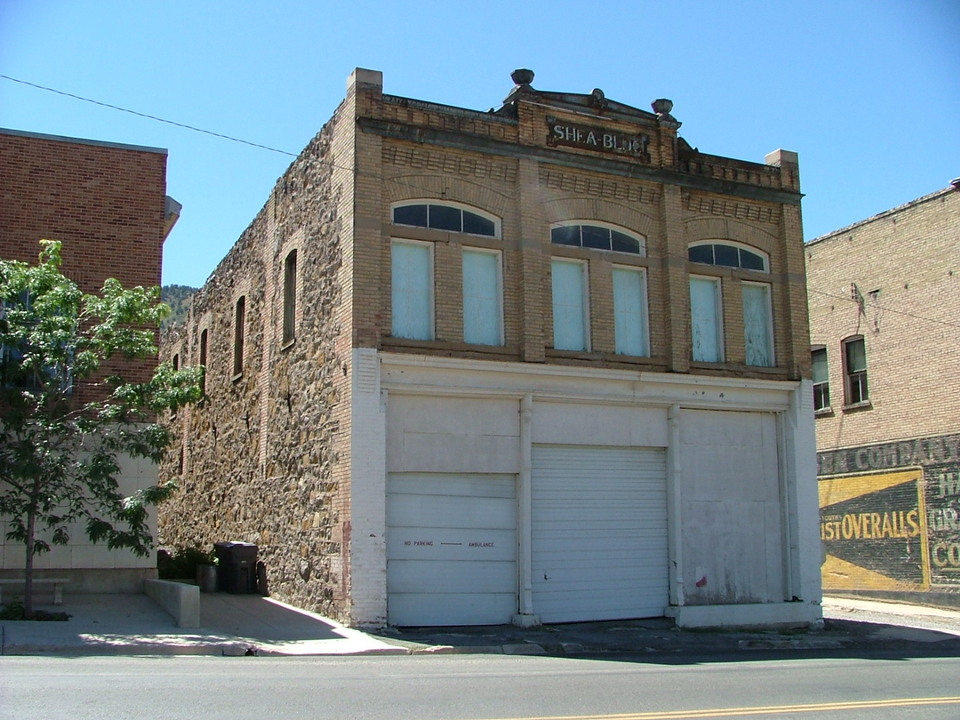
point(662, 107)
point(522, 76)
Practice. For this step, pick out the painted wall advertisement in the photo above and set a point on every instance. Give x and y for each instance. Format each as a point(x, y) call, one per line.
point(890, 516)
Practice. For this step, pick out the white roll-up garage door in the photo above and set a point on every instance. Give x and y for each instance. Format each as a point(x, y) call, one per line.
point(599, 533)
point(451, 549)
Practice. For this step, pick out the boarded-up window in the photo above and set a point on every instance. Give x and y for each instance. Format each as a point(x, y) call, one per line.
point(482, 313)
point(412, 290)
point(706, 329)
point(757, 325)
point(570, 324)
point(630, 311)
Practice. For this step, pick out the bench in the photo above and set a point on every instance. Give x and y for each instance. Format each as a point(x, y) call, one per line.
point(57, 583)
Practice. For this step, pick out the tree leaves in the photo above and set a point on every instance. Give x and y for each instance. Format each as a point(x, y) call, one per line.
point(59, 460)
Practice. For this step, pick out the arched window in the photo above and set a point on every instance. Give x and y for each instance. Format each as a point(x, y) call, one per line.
point(290, 297)
point(728, 254)
point(600, 237)
point(446, 216)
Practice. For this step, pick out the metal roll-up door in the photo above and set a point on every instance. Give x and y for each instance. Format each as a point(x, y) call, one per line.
point(599, 533)
point(451, 549)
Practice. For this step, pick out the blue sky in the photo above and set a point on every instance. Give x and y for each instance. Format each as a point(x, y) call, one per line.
point(867, 92)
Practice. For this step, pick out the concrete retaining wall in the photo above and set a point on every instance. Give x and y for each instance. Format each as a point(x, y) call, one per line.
point(180, 600)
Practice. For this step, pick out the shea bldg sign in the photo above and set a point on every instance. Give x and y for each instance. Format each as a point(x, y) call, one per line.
point(597, 138)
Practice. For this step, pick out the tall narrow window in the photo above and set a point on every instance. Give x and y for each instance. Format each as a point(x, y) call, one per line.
point(482, 311)
point(821, 382)
point(855, 370)
point(239, 318)
point(630, 311)
point(176, 366)
point(757, 325)
point(290, 297)
point(203, 360)
point(705, 325)
point(412, 290)
point(570, 324)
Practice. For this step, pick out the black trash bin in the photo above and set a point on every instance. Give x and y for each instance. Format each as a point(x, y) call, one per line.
point(238, 567)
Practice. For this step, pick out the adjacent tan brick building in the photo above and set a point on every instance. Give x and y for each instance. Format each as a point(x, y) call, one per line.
point(883, 296)
point(543, 363)
point(106, 203)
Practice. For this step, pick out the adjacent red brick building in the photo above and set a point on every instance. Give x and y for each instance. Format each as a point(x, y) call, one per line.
point(106, 202)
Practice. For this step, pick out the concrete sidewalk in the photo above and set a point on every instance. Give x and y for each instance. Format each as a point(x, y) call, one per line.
point(229, 625)
point(250, 624)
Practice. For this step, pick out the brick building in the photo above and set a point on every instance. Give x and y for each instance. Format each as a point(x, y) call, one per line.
point(543, 363)
point(106, 203)
point(883, 298)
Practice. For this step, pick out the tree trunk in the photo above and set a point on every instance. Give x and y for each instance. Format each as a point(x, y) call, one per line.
point(28, 568)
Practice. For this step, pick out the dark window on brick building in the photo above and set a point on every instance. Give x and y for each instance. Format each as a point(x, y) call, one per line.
point(821, 382)
point(855, 371)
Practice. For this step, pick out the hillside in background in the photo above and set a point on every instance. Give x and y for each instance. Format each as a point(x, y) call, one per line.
point(178, 298)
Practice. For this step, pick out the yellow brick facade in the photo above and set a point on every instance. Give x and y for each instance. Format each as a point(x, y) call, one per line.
point(893, 282)
point(278, 460)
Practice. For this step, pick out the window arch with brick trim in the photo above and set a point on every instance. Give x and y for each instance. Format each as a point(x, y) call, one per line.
point(413, 272)
point(756, 296)
point(446, 216)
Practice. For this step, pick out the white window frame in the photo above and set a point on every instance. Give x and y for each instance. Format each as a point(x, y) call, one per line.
point(498, 290)
point(718, 318)
point(643, 311)
point(584, 302)
point(431, 304)
point(852, 379)
point(823, 385)
point(768, 323)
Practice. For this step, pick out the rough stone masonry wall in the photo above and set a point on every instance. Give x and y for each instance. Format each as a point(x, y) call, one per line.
point(258, 463)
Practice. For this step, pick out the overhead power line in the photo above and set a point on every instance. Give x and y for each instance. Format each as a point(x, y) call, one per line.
point(145, 115)
point(284, 152)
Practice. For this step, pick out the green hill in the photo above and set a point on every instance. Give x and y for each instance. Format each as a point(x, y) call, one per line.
point(178, 298)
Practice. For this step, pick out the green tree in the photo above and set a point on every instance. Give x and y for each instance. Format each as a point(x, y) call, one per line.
point(58, 455)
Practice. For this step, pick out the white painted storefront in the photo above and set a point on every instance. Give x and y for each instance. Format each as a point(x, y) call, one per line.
point(487, 492)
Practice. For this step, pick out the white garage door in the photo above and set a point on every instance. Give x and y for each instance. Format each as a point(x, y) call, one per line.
point(599, 533)
point(451, 549)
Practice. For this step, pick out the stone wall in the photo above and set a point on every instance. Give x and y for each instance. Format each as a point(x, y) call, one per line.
point(258, 454)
